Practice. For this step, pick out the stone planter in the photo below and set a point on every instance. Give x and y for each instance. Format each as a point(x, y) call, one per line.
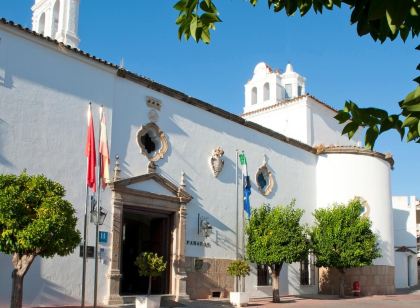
point(148, 301)
point(239, 299)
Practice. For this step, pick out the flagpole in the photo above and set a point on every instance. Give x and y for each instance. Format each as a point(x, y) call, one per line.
point(237, 219)
point(98, 207)
point(243, 229)
point(84, 248)
point(85, 224)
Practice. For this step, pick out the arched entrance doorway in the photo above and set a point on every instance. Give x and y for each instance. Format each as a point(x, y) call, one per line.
point(149, 214)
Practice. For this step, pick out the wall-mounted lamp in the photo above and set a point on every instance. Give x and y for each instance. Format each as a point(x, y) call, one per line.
point(94, 214)
point(204, 227)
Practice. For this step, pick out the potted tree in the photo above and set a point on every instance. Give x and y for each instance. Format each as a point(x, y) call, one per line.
point(239, 269)
point(150, 265)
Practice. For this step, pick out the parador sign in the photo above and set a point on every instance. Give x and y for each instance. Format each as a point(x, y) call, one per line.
point(198, 243)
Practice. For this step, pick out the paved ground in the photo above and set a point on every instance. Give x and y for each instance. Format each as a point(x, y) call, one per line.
point(403, 299)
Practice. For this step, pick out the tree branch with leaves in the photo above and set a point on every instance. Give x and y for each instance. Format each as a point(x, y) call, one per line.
point(381, 19)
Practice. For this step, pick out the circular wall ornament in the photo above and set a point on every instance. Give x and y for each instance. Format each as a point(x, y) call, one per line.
point(365, 212)
point(264, 179)
point(152, 142)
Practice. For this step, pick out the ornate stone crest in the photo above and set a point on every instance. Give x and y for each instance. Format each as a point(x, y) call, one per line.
point(216, 161)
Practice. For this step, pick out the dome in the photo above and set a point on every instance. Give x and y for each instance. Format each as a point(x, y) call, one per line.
point(262, 68)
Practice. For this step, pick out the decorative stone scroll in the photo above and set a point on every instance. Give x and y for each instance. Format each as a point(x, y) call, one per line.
point(152, 142)
point(264, 179)
point(216, 161)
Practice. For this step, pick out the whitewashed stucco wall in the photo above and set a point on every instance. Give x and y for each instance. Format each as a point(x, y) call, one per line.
point(193, 135)
point(44, 94)
point(324, 129)
point(405, 234)
point(289, 120)
point(341, 177)
point(43, 98)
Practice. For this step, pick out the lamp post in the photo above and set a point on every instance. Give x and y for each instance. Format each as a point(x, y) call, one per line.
point(97, 216)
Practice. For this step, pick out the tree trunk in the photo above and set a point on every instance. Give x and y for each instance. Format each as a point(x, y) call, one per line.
point(341, 288)
point(21, 264)
point(275, 272)
point(149, 291)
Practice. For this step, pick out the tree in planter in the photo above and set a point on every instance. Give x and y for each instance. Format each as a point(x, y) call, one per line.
point(35, 220)
point(239, 268)
point(275, 236)
point(150, 265)
point(342, 238)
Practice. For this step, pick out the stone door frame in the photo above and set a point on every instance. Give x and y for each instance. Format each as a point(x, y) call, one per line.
point(174, 203)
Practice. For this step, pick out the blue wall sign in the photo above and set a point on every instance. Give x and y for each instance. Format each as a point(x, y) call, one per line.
point(103, 237)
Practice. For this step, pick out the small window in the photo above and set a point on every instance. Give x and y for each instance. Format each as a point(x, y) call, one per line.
point(266, 91)
point(55, 18)
point(41, 24)
point(307, 271)
point(263, 275)
point(299, 90)
point(288, 91)
point(253, 96)
point(152, 142)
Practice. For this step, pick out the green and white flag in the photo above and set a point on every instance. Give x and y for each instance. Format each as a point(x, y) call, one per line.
point(246, 184)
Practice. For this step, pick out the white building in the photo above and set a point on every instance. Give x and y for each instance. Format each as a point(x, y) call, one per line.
point(166, 186)
point(405, 240)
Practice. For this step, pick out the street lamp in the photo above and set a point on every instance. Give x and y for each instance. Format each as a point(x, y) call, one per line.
point(94, 213)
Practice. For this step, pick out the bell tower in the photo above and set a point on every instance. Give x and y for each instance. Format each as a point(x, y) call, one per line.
point(57, 19)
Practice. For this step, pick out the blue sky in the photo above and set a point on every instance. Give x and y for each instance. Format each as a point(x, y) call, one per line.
point(338, 64)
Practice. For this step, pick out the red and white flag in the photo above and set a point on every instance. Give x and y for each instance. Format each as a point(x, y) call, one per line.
point(90, 153)
point(104, 152)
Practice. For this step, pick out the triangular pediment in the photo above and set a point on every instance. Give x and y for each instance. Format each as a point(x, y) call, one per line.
point(152, 183)
point(153, 187)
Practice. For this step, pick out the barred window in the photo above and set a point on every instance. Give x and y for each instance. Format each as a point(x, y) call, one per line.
point(307, 271)
point(264, 275)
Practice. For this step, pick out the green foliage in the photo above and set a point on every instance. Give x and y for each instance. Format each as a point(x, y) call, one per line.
point(150, 264)
point(342, 238)
point(196, 19)
point(275, 235)
point(382, 19)
point(34, 217)
point(238, 268)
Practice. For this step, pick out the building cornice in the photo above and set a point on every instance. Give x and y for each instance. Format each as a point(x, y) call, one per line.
point(286, 102)
point(320, 149)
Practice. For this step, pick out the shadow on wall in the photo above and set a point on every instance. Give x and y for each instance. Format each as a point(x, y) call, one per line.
point(401, 235)
point(37, 291)
point(217, 237)
point(4, 131)
point(6, 80)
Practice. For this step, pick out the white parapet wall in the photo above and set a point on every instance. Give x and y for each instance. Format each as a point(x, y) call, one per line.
point(405, 240)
